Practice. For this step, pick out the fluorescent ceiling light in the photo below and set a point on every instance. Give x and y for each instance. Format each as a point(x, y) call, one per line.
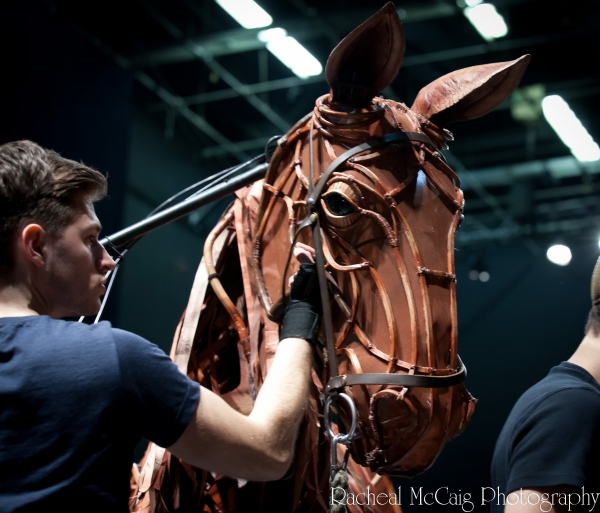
point(487, 21)
point(559, 254)
point(271, 34)
point(570, 130)
point(471, 3)
point(247, 13)
point(290, 52)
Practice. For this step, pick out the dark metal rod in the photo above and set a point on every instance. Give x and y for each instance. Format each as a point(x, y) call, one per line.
point(141, 228)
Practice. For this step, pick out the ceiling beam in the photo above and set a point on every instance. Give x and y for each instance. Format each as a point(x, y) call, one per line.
point(245, 90)
point(503, 233)
point(552, 193)
point(498, 45)
point(199, 53)
point(173, 102)
point(565, 208)
point(576, 89)
point(557, 168)
point(245, 40)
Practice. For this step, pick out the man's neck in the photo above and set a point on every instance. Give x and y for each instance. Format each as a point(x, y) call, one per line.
point(587, 355)
point(15, 302)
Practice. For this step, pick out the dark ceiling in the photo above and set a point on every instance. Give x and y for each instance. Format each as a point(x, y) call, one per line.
point(216, 86)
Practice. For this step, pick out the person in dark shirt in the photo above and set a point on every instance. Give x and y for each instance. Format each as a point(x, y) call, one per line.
point(547, 457)
point(75, 399)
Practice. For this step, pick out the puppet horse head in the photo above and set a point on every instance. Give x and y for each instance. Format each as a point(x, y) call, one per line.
point(387, 216)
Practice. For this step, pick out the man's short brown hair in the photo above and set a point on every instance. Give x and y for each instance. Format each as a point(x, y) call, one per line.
point(38, 186)
point(593, 322)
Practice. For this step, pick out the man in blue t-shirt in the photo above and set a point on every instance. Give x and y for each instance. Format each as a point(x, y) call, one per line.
point(547, 457)
point(75, 399)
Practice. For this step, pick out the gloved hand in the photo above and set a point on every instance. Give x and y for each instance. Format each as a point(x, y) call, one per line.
point(302, 317)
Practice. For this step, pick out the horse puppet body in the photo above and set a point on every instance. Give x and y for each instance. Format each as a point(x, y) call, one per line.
point(385, 215)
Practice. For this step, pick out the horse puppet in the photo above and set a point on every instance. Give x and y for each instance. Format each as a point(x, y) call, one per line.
point(362, 180)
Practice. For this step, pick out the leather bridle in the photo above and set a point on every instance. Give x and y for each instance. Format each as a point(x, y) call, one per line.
point(337, 382)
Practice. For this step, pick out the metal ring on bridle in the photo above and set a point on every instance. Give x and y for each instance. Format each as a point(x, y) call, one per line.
point(341, 438)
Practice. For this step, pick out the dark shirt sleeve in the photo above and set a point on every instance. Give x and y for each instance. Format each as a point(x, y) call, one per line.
point(162, 398)
point(553, 445)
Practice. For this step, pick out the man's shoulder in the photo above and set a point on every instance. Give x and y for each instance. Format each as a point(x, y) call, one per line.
point(54, 327)
point(550, 435)
point(42, 336)
point(567, 392)
point(43, 328)
point(563, 382)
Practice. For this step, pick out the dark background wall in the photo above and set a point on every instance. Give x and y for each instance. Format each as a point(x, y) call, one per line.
point(62, 92)
point(159, 270)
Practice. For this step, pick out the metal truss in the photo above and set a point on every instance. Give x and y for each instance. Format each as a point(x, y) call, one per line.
point(495, 222)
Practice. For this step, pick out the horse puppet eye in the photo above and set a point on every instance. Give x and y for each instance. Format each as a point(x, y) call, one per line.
point(338, 205)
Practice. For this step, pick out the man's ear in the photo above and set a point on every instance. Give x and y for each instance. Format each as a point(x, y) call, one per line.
point(33, 240)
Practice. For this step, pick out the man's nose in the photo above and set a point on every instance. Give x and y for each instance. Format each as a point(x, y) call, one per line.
point(106, 263)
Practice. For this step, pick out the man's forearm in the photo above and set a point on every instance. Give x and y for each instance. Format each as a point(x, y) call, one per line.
point(281, 403)
point(257, 447)
point(260, 446)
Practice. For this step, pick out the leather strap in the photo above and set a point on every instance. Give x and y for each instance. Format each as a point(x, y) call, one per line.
point(373, 143)
point(405, 380)
point(183, 346)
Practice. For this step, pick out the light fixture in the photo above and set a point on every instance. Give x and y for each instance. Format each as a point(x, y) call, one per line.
point(290, 52)
point(271, 34)
point(247, 13)
point(484, 276)
point(570, 130)
point(486, 19)
point(559, 254)
point(478, 271)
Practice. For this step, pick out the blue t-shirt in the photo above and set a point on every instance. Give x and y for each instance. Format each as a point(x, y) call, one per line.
point(551, 437)
point(74, 401)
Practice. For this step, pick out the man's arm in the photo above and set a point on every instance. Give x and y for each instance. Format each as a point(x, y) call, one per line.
point(544, 499)
point(258, 447)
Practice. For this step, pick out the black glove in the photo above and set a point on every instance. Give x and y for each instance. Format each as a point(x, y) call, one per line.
point(302, 317)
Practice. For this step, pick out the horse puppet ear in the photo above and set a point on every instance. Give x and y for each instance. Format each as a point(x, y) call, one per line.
point(469, 93)
point(367, 60)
